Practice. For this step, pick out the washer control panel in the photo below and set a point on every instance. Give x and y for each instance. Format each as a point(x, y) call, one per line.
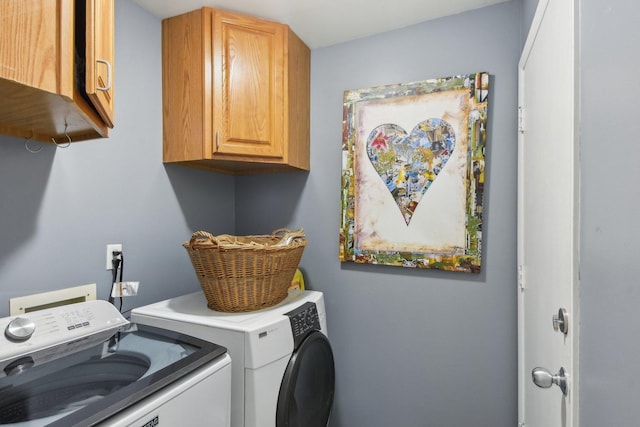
point(37, 330)
point(304, 319)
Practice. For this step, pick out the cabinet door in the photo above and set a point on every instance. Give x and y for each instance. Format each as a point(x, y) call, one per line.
point(100, 55)
point(248, 86)
point(36, 46)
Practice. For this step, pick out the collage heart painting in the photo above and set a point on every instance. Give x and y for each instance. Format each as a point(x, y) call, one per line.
point(413, 173)
point(409, 163)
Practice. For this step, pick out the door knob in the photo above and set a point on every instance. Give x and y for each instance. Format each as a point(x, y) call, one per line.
point(544, 379)
point(561, 321)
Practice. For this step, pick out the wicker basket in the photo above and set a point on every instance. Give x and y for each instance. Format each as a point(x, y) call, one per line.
point(245, 273)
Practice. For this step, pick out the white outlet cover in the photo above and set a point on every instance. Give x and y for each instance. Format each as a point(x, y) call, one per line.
point(110, 248)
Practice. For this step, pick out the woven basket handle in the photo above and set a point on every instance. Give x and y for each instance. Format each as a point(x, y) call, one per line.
point(288, 236)
point(201, 239)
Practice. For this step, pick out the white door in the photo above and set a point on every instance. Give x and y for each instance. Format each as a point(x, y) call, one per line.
point(548, 219)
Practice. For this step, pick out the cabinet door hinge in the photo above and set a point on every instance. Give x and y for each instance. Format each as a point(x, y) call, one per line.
point(521, 119)
point(521, 277)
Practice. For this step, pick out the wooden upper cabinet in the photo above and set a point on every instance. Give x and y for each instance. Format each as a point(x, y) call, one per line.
point(235, 93)
point(42, 69)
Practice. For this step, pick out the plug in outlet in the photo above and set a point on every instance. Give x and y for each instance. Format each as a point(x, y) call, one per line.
point(110, 249)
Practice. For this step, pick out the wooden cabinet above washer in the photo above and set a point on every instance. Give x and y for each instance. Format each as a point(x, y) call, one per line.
point(235, 93)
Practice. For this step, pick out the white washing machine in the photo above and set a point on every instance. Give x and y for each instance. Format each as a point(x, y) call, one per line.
point(282, 363)
point(85, 365)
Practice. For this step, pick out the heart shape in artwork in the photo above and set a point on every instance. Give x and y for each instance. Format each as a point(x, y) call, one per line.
point(409, 163)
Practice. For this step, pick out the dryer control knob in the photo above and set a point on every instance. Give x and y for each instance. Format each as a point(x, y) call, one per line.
point(20, 329)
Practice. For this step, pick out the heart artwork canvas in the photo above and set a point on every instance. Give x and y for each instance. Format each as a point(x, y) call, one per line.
point(409, 162)
point(413, 173)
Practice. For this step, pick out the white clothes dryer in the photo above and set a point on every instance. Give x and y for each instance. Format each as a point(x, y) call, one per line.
point(282, 371)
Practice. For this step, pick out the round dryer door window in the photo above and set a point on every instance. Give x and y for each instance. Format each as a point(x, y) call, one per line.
point(306, 393)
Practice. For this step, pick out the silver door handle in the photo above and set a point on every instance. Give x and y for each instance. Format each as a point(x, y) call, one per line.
point(544, 379)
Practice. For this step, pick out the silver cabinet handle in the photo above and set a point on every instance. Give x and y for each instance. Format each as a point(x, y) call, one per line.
point(108, 86)
point(544, 379)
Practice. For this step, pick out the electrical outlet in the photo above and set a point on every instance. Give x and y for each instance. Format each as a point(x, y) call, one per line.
point(110, 248)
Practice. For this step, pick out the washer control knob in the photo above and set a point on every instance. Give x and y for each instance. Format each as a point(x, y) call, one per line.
point(20, 329)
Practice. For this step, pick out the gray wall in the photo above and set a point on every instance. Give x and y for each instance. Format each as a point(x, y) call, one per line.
point(610, 230)
point(609, 271)
point(60, 207)
point(412, 348)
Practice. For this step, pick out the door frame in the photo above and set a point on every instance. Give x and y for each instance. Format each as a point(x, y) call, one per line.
point(523, 373)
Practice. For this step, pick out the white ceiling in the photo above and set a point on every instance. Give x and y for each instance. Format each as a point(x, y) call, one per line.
point(326, 22)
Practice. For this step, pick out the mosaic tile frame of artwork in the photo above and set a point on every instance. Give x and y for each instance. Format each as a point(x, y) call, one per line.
point(413, 169)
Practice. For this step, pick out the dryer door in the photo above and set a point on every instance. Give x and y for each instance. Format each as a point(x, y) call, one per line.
point(306, 393)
